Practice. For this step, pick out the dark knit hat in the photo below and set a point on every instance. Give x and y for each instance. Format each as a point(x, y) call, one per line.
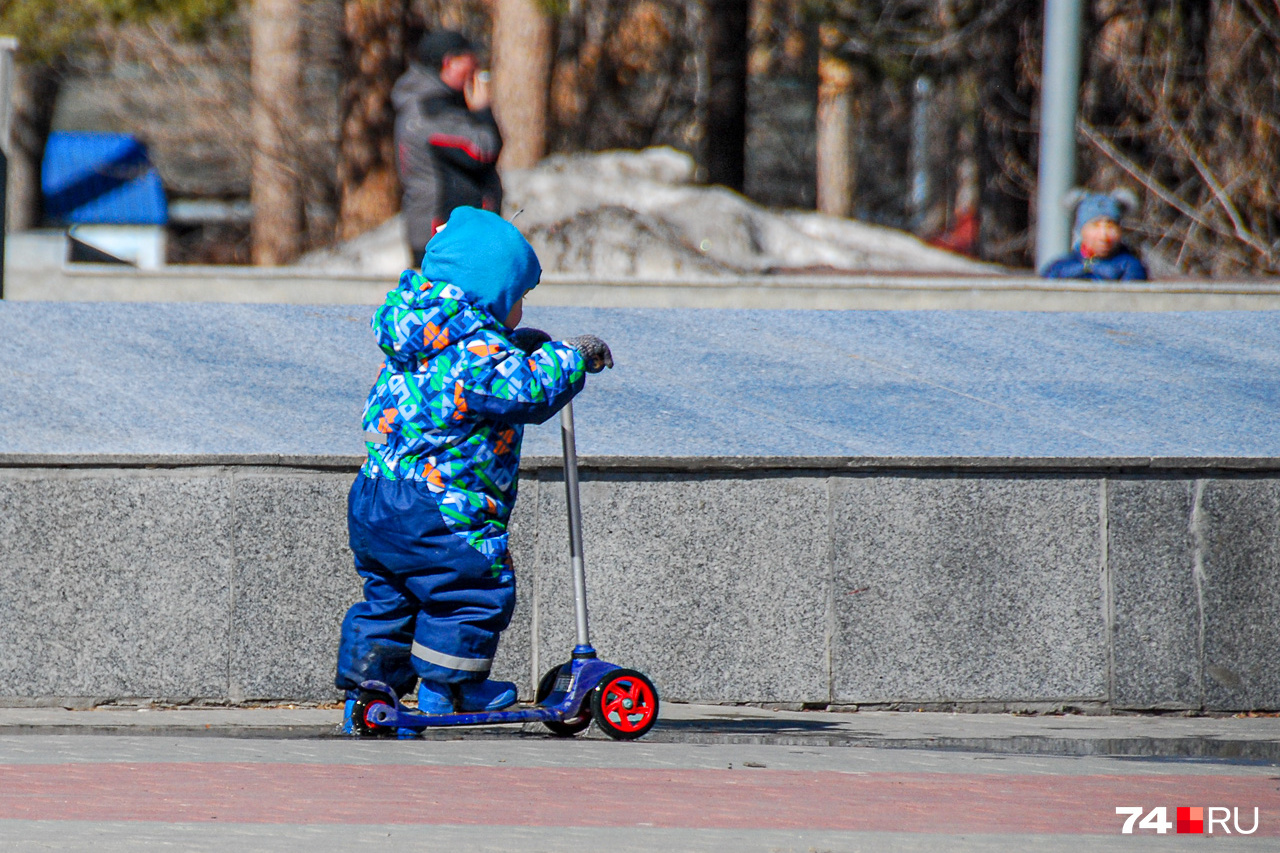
point(435, 46)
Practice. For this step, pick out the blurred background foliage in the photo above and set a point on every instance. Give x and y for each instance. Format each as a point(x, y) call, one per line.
point(47, 29)
point(1180, 101)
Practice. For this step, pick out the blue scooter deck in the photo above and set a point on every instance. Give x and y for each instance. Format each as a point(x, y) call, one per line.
point(563, 704)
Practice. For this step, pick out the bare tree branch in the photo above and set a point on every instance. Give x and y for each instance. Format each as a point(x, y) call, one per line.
point(1242, 231)
point(1144, 177)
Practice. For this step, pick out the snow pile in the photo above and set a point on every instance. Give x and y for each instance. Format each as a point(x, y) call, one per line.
point(381, 252)
point(639, 214)
point(623, 214)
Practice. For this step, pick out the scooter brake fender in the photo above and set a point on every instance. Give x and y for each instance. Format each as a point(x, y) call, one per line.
point(583, 676)
point(586, 675)
point(383, 688)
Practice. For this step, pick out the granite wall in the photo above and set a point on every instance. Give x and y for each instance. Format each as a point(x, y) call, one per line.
point(1077, 585)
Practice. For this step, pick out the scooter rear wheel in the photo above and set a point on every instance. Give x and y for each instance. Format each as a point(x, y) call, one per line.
point(567, 728)
point(625, 704)
point(360, 715)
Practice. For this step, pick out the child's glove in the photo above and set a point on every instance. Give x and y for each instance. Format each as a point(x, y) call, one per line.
point(594, 351)
point(528, 339)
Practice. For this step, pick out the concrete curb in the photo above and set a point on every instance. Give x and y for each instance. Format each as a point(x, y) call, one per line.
point(830, 291)
point(677, 464)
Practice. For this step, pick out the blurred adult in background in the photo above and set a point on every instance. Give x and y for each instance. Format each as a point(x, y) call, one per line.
point(1097, 251)
point(447, 142)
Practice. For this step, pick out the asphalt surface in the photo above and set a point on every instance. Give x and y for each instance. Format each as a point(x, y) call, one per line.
point(706, 778)
point(1227, 738)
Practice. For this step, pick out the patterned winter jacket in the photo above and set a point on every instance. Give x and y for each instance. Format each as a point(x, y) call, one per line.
point(450, 403)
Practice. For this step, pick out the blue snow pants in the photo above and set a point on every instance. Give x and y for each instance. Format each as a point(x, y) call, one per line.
point(433, 605)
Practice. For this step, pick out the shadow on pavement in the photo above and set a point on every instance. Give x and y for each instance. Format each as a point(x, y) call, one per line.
point(792, 732)
point(782, 732)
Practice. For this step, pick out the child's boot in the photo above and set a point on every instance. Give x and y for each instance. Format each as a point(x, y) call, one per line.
point(435, 697)
point(347, 726)
point(486, 695)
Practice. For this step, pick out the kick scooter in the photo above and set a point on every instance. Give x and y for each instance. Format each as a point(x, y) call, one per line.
point(623, 702)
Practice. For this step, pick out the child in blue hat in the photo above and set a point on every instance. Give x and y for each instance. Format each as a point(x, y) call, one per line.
point(1097, 252)
point(427, 514)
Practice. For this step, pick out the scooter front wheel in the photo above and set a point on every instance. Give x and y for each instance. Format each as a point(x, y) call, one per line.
point(361, 715)
point(625, 704)
point(567, 728)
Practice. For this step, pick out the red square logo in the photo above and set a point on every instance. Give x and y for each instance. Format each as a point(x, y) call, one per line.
point(1190, 819)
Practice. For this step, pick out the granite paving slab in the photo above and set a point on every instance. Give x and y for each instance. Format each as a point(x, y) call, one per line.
point(1237, 526)
point(293, 584)
point(712, 587)
point(115, 586)
point(967, 588)
point(224, 379)
point(1156, 609)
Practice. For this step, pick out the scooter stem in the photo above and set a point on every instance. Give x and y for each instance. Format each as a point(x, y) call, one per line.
point(575, 527)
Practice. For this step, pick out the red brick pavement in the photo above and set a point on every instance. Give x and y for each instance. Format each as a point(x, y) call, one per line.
point(725, 799)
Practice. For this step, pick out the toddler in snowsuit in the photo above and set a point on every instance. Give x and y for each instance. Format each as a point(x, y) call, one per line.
point(427, 514)
point(1097, 253)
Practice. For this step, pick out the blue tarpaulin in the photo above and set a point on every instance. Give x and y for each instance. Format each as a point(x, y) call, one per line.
point(101, 178)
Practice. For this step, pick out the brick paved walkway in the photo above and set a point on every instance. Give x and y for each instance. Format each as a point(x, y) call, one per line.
point(745, 799)
point(124, 793)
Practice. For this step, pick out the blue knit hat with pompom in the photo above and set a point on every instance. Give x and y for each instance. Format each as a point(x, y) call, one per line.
point(1090, 206)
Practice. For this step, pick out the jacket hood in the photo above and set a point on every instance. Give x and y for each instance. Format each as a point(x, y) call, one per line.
point(420, 319)
point(484, 256)
point(417, 83)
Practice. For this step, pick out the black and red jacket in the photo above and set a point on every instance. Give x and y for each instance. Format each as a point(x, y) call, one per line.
point(446, 153)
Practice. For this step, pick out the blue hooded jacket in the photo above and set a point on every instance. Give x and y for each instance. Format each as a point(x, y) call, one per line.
point(1122, 265)
point(486, 256)
point(450, 403)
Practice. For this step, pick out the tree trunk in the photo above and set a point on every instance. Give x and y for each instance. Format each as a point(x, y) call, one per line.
point(836, 168)
point(368, 184)
point(34, 93)
point(726, 107)
point(1005, 144)
point(276, 70)
point(522, 54)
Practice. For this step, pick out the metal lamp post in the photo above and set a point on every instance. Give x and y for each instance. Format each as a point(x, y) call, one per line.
point(1059, 91)
point(8, 46)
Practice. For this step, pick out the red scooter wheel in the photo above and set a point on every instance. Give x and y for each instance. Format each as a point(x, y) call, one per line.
point(363, 712)
point(625, 704)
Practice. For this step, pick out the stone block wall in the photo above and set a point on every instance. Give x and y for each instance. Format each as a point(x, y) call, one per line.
point(930, 583)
